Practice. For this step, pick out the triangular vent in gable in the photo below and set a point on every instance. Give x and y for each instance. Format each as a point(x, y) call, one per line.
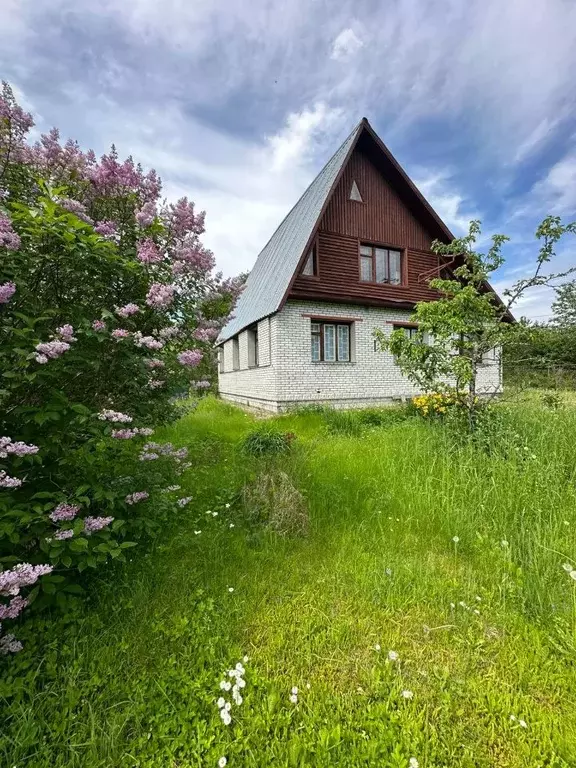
point(355, 193)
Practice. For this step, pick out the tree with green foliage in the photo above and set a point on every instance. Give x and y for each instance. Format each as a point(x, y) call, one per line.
point(564, 308)
point(468, 322)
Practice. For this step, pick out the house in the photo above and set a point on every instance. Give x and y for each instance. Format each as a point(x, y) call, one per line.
point(354, 254)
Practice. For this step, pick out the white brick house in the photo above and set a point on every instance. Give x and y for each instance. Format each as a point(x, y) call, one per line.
point(352, 255)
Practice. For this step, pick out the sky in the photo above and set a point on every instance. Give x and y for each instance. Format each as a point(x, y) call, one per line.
point(238, 104)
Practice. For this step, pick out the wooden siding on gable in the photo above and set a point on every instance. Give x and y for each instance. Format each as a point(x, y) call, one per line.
point(383, 217)
point(338, 275)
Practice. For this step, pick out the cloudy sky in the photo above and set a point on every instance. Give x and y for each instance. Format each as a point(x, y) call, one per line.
point(238, 103)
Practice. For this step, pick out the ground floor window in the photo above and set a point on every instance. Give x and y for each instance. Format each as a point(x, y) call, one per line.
point(330, 342)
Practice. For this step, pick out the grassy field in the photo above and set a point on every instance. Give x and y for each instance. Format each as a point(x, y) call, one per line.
point(448, 555)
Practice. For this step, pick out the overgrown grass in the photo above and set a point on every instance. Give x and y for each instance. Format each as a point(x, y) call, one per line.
point(449, 554)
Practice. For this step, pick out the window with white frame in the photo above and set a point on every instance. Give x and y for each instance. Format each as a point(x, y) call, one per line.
point(330, 342)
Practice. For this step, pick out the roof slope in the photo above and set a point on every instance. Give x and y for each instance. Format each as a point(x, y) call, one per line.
point(271, 275)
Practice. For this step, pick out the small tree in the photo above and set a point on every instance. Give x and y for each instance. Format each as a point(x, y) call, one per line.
point(564, 308)
point(457, 332)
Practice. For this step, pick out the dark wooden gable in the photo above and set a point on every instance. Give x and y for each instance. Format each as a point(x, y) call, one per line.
point(391, 214)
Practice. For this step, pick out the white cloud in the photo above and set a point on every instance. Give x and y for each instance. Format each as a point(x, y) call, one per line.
point(536, 139)
point(451, 206)
point(346, 44)
point(556, 192)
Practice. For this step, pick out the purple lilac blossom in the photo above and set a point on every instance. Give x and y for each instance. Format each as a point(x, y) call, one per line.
point(190, 357)
point(7, 290)
point(8, 238)
point(22, 575)
point(127, 310)
point(75, 207)
point(106, 228)
point(156, 383)
point(66, 333)
point(93, 524)
point(9, 482)
point(170, 332)
point(64, 534)
point(205, 334)
point(120, 333)
point(146, 215)
point(137, 496)
point(107, 415)
point(13, 609)
point(148, 252)
point(147, 341)
point(52, 349)
point(203, 384)
point(154, 362)
point(17, 448)
point(9, 644)
point(64, 512)
point(160, 296)
point(99, 325)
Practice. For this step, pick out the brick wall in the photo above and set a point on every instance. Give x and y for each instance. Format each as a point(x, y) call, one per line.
point(291, 378)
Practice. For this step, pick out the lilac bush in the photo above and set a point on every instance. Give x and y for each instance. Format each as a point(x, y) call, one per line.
point(109, 307)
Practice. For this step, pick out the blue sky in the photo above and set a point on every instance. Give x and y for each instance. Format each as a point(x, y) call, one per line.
point(238, 104)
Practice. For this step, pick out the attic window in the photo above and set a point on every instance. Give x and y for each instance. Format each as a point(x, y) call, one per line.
point(355, 193)
point(310, 265)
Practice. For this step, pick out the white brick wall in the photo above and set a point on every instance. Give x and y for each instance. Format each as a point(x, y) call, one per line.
point(292, 378)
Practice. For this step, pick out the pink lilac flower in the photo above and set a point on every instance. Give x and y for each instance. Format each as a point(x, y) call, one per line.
point(154, 362)
point(205, 334)
point(128, 434)
point(20, 121)
point(170, 332)
point(75, 207)
point(156, 383)
point(180, 218)
point(203, 384)
point(106, 228)
point(13, 609)
point(64, 512)
point(146, 215)
point(9, 482)
point(148, 252)
point(52, 349)
point(134, 498)
point(18, 448)
point(42, 359)
point(99, 325)
point(22, 575)
point(190, 357)
point(147, 341)
point(160, 296)
point(64, 534)
point(7, 290)
point(93, 524)
point(127, 310)
point(107, 415)
point(146, 431)
point(66, 333)
point(120, 333)
point(9, 644)
point(8, 238)
point(192, 257)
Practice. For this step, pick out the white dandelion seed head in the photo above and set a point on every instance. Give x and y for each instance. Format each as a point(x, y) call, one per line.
point(455, 539)
point(407, 694)
point(226, 686)
point(221, 702)
point(504, 543)
point(227, 706)
point(308, 686)
point(452, 605)
point(226, 717)
point(567, 567)
point(223, 684)
point(245, 659)
point(232, 525)
point(294, 698)
point(237, 698)
point(232, 673)
point(222, 762)
point(294, 690)
point(377, 647)
point(230, 589)
point(512, 717)
point(227, 506)
point(214, 514)
point(388, 571)
point(413, 763)
point(241, 683)
point(523, 723)
point(392, 656)
point(240, 668)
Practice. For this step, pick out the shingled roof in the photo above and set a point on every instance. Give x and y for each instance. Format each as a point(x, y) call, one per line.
point(275, 266)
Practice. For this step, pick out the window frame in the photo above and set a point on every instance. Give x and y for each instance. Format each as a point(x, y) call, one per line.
point(383, 247)
point(235, 353)
point(411, 327)
point(321, 336)
point(252, 339)
point(314, 250)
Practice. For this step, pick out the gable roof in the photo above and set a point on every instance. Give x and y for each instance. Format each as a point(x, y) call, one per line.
point(277, 265)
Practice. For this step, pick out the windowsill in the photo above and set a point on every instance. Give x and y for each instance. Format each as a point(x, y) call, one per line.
point(333, 362)
point(388, 285)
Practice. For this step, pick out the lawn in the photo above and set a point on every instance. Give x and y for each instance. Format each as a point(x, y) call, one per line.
point(425, 618)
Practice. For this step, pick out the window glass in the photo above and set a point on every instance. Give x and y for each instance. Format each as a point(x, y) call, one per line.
point(329, 342)
point(344, 343)
point(381, 259)
point(316, 347)
point(355, 193)
point(309, 264)
point(394, 261)
point(366, 269)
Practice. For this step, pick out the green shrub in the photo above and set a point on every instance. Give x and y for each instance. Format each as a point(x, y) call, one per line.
point(266, 440)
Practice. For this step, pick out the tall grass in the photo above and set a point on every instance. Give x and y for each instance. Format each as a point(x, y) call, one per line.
point(450, 553)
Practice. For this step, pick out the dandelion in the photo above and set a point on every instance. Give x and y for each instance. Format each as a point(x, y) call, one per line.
point(567, 567)
point(245, 659)
point(226, 718)
point(455, 539)
point(295, 691)
point(230, 589)
point(227, 506)
point(413, 763)
point(294, 698)
point(522, 723)
point(476, 611)
point(407, 694)
point(388, 571)
point(222, 762)
point(308, 686)
point(225, 685)
point(378, 647)
point(197, 533)
point(214, 514)
point(241, 683)
point(240, 668)
point(512, 718)
point(232, 525)
point(237, 697)
point(504, 543)
point(392, 656)
point(221, 702)
point(572, 575)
